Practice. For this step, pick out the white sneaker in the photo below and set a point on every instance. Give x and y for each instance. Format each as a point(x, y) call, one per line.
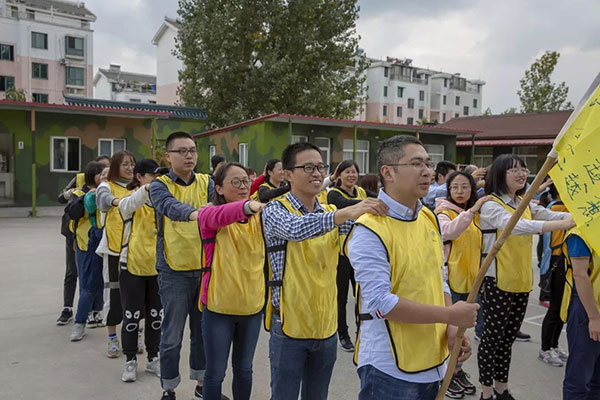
point(99, 320)
point(562, 354)
point(550, 357)
point(129, 371)
point(78, 332)
point(153, 366)
point(113, 350)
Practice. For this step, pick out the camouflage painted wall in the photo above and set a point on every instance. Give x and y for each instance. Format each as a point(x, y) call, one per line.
point(267, 140)
point(89, 128)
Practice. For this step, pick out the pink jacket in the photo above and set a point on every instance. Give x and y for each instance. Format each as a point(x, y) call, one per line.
point(451, 229)
point(210, 219)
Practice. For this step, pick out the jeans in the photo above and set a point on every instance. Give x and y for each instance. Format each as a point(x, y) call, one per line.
point(219, 331)
point(376, 385)
point(459, 296)
point(582, 375)
point(296, 363)
point(179, 296)
point(89, 271)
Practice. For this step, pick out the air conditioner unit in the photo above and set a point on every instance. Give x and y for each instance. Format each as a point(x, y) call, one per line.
point(62, 61)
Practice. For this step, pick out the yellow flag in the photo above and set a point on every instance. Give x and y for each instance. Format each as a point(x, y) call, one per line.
point(576, 174)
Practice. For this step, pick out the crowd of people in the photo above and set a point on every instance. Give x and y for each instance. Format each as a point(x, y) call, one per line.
point(231, 252)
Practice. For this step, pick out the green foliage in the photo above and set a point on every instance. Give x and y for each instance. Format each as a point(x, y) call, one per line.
point(15, 94)
point(538, 93)
point(247, 58)
point(512, 110)
point(487, 112)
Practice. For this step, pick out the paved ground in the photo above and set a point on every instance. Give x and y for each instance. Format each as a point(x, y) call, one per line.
point(38, 362)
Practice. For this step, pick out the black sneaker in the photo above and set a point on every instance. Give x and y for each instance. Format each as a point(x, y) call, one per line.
point(168, 395)
point(462, 378)
point(523, 337)
point(486, 398)
point(504, 396)
point(66, 316)
point(455, 391)
point(198, 394)
point(346, 344)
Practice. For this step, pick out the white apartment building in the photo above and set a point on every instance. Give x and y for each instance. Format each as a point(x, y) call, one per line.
point(46, 48)
point(401, 93)
point(116, 85)
point(167, 65)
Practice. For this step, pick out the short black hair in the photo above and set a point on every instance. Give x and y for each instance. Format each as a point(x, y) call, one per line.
point(495, 180)
point(269, 167)
point(443, 167)
point(91, 170)
point(391, 150)
point(102, 157)
point(215, 160)
point(177, 135)
point(473, 199)
point(288, 157)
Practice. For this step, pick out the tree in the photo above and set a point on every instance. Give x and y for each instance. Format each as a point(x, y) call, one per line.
point(247, 58)
point(487, 112)
point(511, 110)
point(538, 93)
point(15, 94)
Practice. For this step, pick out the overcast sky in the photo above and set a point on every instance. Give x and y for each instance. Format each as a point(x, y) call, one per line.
point(495, 41)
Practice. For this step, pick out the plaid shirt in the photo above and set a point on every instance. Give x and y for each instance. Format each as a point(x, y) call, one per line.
point(281, 226)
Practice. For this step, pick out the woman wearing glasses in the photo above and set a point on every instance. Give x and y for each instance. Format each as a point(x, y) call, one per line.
point(233, 284)
point(506, 287)
point(108, 196)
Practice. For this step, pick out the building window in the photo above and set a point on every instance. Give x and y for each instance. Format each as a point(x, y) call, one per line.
point(108, 147)
point(7, 52)
point(73, 46)
point(443, 117)
point(135, 100)
point(384, 111)
point(385, 91)
point(398, 111)
point(39, 71)
point(445, 83)
point(75, 76)
point(151, 101)
point(457, 100)
point(410, 120)
point(435, 151)
point(386, 72)
point(411, 103)
point(14, 12)
point(420, 113)
point(299, 139)
point(323, 144)
point(444, 100)
point(465, 110)
point(243, 154)
point(483, 156)
point(6, 83)
point(474, 103)
point(362, 154)
point(421, 95)
point(39, 40)
point(531, 157)
point(400, 91)
point(456, 115)
point(212, 151)
point(40, 98)
point(30, 14)
point(65, 154)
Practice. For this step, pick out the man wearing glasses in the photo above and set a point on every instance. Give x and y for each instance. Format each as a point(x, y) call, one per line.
point(176, 197)
point(302, 238)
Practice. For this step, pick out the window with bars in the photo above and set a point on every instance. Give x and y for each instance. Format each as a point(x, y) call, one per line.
point(39, 71)
point(75, 76)
point(108, 147)
point(362, 154)
point(65, 154)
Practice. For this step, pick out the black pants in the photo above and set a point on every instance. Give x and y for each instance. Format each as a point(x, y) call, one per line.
point(113, 312)
point(70, 282)
point(503, 314)
point(139, 295)
point(552, 325)
point(345, 277)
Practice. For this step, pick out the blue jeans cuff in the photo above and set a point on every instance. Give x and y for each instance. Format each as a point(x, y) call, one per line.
point(196, 374)
point(170, 384)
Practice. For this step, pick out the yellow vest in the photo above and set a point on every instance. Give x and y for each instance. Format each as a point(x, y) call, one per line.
point(182, 243)
point(237, 279)
point(308, 293)
point(256, 197)
point(514, 260)
point(360, 195)
point(113, 223)
point(464, 258)
point(557, 237)
point(593, 271)
point(81, 227)
point(141, 245)
point(322, 197)
point(414, 250)
point(79, 180)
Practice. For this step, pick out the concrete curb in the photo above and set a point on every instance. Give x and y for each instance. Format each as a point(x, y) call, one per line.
point(23, 212)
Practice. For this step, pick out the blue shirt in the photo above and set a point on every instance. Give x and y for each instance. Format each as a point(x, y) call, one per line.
point(577, 247)
point(429, 199)
point(166, 205)
point(368, 257)
point(281, 226)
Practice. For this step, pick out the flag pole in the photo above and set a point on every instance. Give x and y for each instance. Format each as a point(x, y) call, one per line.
point(539, 178)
